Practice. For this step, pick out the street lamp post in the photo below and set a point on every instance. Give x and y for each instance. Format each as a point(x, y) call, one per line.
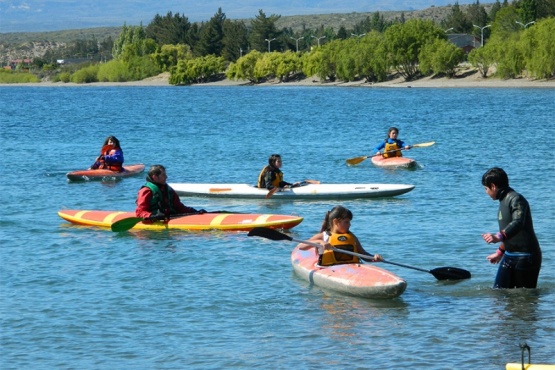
point(297, 41)
point(482, 30)
point(355, 35)
point(319, 38)
point(269, 41)
point(525, 25)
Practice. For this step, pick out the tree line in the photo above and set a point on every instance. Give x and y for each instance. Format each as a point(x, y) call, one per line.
point(517, 38)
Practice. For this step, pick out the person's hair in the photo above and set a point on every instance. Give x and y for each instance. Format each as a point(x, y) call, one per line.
point(273, 159)
point(337, 212)
point(392, 128)
point(114, 139)
point(497, 176)
point(155, 170)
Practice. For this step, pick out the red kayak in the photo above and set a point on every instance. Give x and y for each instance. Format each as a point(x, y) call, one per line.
point(87, 175)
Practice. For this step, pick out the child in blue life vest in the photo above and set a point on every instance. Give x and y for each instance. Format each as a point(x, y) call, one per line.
point(392, 146)
point(519, 255)
point(111, 156)
point(335, 233)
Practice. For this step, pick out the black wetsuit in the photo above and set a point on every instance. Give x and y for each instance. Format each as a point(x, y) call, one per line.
point(522, 261)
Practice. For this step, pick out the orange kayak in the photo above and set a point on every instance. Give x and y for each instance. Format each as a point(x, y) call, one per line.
point(86, 175)
point(357, 279)
point(206, 221)
point(393, 162)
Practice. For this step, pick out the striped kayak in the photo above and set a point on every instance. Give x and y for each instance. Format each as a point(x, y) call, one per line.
point(393, 162)
point(205, 221)
point(362, 280)
point(86, 175)
point(308, 191)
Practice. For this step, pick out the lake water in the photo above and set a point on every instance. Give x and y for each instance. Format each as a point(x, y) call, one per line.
point(76, 297)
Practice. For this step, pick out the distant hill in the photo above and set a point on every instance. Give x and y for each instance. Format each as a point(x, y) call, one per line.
point(295, 22)
point(50, 15)
point(34, 44)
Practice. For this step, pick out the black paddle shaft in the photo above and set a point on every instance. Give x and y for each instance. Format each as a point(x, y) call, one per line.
point(440, 273)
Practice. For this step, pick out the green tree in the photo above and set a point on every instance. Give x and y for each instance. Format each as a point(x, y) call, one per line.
point(288, 66)
point(505, 23)
point(477, 15)
point(346, 58)
point(266, 66)
point(264, 28)
point(457, 20)
point(538, 48)
point(508, 57)
point(113, 71)
point(404, 42)
point(528, 10)
point(169, 55)
point(197, 70)
point(482, 59)
point(243, 69)
point(211, 35)
point(342, 33)
point(493, 10)
point(132, 41)
point(322, 61)
point(171, 29)
point(234, 42)
point(371, 61)
point(440, 57)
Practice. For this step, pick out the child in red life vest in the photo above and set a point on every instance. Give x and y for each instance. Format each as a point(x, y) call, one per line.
point(111, 156)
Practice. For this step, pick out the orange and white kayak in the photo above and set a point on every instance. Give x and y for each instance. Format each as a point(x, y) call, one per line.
point(205, 221)
point(393, 162)
point(362, 280)
point(86, 175)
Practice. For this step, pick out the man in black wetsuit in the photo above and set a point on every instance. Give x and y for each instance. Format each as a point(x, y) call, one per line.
point(520, 254)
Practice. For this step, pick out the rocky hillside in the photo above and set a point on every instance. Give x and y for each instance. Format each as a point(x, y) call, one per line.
point(36, 44)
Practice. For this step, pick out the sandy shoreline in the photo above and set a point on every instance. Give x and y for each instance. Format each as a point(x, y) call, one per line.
point(470, 80)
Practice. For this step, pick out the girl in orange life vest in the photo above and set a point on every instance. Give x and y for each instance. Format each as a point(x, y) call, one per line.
point(111, 156)
point(391, 145)
point(335, 233)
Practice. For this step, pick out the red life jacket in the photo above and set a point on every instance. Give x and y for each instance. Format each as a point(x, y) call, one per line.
point(101, 164)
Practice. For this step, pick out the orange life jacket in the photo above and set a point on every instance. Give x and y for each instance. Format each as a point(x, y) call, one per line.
point(392, 150)
point(340, 241)
point(101, 164)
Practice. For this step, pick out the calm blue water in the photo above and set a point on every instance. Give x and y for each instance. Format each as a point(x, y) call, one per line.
point(76, 297)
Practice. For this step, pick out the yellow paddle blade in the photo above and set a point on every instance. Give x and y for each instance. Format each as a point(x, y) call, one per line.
point(422, 145)
point(356, 160)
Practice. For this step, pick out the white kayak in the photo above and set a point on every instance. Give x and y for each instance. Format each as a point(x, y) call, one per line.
point(308, 191)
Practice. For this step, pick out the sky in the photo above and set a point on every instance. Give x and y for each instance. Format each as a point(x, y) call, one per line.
point(41, 16)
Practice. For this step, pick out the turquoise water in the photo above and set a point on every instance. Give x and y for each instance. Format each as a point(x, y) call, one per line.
point(77, 297)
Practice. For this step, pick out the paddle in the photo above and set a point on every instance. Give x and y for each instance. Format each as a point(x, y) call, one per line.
point(440, 273)
point(305, 182)
point(128, 223)
point(357, 160)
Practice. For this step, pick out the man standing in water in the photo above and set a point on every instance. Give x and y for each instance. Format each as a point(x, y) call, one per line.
point(520, 254)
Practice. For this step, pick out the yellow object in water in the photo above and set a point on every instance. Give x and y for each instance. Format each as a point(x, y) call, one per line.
point(517, 366)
